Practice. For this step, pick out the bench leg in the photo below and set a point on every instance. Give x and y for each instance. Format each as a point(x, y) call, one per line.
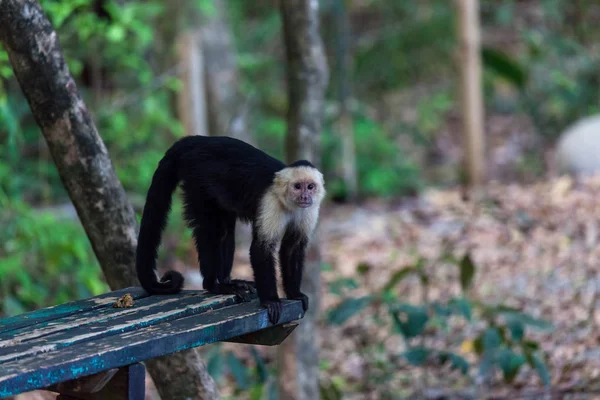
point(126, 383)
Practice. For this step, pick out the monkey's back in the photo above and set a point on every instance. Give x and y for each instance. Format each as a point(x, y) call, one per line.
point(229, 171)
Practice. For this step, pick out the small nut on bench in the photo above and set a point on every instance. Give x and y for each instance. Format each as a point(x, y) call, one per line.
point(124, 301)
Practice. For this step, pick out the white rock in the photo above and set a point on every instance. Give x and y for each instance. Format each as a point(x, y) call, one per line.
point(578, 149)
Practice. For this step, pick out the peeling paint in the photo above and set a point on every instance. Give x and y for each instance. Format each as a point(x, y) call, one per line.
point(119, 338)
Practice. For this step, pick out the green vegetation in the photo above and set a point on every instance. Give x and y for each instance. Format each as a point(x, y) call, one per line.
point(495, 335)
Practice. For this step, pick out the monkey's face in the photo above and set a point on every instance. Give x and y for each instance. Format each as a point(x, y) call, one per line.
point(301, 193)
point(299, 187)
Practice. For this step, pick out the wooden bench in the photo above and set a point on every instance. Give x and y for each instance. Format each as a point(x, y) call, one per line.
point(91, 349)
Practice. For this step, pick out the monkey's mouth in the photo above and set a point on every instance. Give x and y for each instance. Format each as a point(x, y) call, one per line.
point(304, 204)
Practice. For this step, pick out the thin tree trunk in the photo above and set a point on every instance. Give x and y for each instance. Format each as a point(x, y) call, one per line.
point(345, 122)
point(191, 100)
point(86, 171)
point(227, 110)
point(307, 77)
point(471, 89)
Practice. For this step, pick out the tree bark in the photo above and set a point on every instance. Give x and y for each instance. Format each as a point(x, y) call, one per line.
point(86, 171)
point(226, 108)
point(345, 122)
point(307, 78)
point(471, 89)
point(191, 100)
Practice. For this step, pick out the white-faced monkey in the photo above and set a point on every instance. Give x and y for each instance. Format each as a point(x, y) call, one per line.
point(224, 179)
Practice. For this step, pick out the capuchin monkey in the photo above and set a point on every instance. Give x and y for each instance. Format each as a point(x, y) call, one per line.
point(223, 180)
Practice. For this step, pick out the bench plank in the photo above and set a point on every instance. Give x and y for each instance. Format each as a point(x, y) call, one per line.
point(64, 332)
point(118, 348)
point(50, 313)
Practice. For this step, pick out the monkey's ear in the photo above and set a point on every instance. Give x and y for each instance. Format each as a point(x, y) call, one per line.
point(280, 182)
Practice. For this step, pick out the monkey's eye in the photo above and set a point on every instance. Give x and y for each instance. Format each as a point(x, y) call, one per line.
point(311, 186)
point(297, 186)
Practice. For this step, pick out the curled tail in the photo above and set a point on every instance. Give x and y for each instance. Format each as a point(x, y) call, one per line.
point(154, 220)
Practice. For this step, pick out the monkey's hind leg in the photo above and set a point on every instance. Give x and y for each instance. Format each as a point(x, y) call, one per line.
point(227, 251)
point(209, 229)
point(227, 245)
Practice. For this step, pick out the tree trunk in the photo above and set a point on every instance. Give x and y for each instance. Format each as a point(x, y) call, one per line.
point(226, 108)
point(471, 89)
point(307, 77)
point(191, 100)
point(86, 171)
point(345, 122)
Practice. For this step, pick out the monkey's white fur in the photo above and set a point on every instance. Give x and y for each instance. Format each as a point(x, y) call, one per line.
point(276, 210)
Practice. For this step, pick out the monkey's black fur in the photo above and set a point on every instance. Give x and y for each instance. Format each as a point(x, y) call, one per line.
point(223, 179)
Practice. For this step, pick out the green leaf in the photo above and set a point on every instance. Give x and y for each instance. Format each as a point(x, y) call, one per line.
point(336, 287)
point(456, 361)
point(440, 309)
point(261, 368)
point(398, 276)
point(505, 66)
point(115, 33)
point(510, 363)
point(330, 391)
point(215, 364)
point(417, 355)
point(491, 339)
point(461, 306)
point(540, 367)
point(517, 329)
point(478, 345)
point(256, 393)
point(467, 272)
point(363, 268)
point(530, 346)
point(409, 320)
point(529, 320)
point(347, 309)
point(238, 370)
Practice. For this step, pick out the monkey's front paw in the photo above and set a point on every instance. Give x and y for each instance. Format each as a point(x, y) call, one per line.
point(303, 298)
point(274, 308)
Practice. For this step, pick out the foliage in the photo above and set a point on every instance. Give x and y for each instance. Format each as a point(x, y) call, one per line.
point(130, 100)
point(556, 74)
point(397, 54)
point(131, 124)
point(500, 343)
point(43, 260)
point(383, 169)
point(258, 380)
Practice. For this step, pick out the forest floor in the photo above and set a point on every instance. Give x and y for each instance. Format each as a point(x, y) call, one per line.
point(534, 247)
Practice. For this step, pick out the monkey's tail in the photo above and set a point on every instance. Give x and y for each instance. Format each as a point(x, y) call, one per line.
point(154, 220)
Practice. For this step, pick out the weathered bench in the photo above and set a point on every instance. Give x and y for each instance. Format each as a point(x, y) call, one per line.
point(92, 349)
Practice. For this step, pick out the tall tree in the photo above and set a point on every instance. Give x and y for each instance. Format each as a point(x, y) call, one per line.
point(87, 172)
point(345, 123)
point(471, 89)
point(226, 107)
point(307, 78)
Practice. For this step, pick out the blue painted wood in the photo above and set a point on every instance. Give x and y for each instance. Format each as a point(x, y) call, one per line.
point(136, 387)
point(65, 332)
point(115, 340)
point(51, 313)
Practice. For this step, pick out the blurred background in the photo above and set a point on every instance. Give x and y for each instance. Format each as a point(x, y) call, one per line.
point(428, 287)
